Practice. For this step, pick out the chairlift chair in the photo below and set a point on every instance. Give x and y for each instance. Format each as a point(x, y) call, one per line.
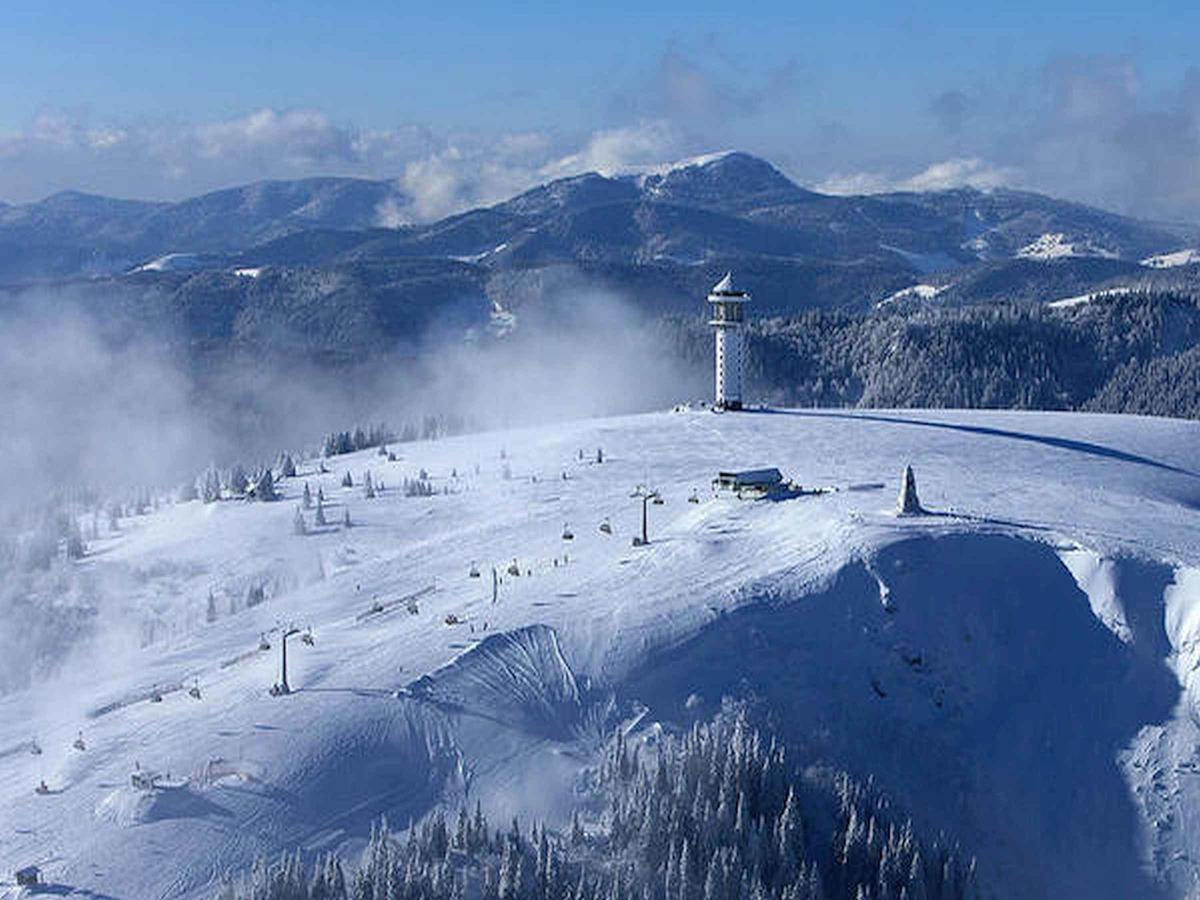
point(474, 571)
point(263, 643)
point(194, 690)
point(307, 637)
point(42, 788)
point(606, 527)
point(567, 535)
point(78, 743)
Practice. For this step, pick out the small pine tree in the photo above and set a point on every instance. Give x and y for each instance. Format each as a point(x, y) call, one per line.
point(75, 545)
point(368, 487)
point(319, 516)
point(264, 487)
point(237, 482)
point(306, 501)
point(346, 517)
point(287, 466)
point(298, 526)
point(210, 612)
point(347, 481)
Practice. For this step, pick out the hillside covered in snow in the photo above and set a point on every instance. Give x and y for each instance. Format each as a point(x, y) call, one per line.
point(1014, 667)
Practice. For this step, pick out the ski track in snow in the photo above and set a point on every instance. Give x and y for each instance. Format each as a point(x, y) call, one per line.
point(397, 712)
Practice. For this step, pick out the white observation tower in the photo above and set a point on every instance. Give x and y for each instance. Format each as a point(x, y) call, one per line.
point(727, 319)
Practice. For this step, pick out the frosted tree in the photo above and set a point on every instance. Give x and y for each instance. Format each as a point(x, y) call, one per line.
point(368, 486)
point(346, 523)
point(210, 611)
point(306, 498)
point(74, 540)
point(210, 490)
point(287, 466)
point(319, 515)
point(187, 491)
point(236, 481)
point(347, 480)
point(264, 487)
point(298, 526)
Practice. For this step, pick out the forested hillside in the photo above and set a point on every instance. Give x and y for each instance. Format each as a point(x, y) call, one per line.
point(1123, 353)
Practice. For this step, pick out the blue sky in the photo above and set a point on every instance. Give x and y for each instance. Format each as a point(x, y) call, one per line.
point(467, 102)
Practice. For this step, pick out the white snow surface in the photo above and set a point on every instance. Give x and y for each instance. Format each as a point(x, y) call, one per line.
point(1018, 667)
point(1171, 260)
point(1056, 246)
point(641, 173)
point(170, 262)
point(913, 292)
point(1082, 299)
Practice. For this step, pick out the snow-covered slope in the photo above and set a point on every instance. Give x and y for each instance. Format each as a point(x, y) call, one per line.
point(1056, 245)
point(1017, 667)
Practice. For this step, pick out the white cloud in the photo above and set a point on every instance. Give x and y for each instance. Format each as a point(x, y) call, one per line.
point(952, 173)
point(940, 176)
point(620, 150)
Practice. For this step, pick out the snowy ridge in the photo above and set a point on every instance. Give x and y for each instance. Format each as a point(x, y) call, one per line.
point(641, 174)
point(1171, 260)
point(1027, 648)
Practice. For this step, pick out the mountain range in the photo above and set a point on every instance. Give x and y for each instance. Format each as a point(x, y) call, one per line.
point(308, 266)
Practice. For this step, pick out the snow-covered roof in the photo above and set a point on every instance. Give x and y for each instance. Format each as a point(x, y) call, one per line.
point(752, 476)
point(725, 288)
